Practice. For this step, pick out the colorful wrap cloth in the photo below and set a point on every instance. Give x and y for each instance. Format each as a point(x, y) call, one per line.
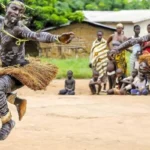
point(98, 56)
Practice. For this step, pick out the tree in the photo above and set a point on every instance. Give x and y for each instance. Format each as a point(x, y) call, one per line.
point(50, 12)
point(56, 12)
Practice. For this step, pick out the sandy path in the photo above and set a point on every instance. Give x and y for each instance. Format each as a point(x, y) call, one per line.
point(81, 122)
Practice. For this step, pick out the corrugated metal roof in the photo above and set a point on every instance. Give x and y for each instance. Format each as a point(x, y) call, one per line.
point(85, 21)
point(133, 16)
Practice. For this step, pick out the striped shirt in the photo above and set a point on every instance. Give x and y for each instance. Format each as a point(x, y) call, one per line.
point(10, 52)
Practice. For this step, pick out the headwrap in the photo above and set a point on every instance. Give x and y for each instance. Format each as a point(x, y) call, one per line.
point(17, 2)
point(20, 3)
point(119, 25)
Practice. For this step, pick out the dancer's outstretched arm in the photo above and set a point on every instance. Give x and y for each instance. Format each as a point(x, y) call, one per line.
point(25, 33)
point(132, 42)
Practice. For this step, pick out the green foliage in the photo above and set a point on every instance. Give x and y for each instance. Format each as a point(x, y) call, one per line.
point(77, 16)
point(78, 66)
point(56, 12)
point(91, 6)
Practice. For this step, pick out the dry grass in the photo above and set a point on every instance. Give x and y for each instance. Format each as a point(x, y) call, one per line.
point(34, 75)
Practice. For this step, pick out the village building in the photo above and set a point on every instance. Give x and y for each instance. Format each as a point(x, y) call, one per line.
point(85, 34)
point(128, 18)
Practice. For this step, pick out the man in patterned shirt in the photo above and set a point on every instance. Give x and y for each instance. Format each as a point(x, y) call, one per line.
point(13, 35)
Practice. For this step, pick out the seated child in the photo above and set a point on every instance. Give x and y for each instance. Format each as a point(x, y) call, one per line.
point(139, 86)
point(93, 82)
point(117, 89)
point(111, 69)
point(127, 82)
point(119, 78)
point(69, 85)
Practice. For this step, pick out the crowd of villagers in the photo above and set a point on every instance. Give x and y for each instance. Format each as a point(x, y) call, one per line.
point(109, 65)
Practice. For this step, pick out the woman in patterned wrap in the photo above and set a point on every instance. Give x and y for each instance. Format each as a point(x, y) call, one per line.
point(117, 38)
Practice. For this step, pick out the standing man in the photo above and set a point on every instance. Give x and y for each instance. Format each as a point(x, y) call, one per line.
point(136, 48)
point(18, 71)
point(146, 45)
point(98, 57)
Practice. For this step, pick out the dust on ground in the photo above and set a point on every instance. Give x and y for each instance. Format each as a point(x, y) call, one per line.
point(80, 122)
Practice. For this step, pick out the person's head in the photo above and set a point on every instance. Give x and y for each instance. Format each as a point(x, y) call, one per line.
point(95, 75)
point(14, 11)
point(119, 28)
point(110, 92)
point(148, 28)
point(99, 35)
point(119, 72)
point(137, 29)
point(134, 73)
point(141, 76)
point(69, 74)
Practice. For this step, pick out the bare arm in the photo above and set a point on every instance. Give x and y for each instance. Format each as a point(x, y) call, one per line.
point(26, 33)
point(92, 82)
point(134, 41)
point(109, 40)
point(23, 32)
point(125, 38)
point(65, 84)
point(73, 86)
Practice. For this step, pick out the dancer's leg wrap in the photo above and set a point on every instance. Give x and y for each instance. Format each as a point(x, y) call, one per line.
point(6, 118)
point(6, 84)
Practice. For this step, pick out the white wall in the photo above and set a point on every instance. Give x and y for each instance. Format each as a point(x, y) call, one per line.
point(128, 30)
point(128, 27)
point(143, 25)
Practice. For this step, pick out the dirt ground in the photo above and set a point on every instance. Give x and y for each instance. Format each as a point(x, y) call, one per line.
point(81, 122)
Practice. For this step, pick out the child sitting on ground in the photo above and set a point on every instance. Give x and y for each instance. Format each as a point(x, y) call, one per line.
point(69, 85)
point(93, 82)
point(127, 82)
point(139, 86)
point(119, 78)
